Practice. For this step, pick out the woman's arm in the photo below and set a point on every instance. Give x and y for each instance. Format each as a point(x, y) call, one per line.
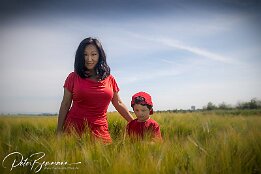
point(120, 107)
point(64, 108)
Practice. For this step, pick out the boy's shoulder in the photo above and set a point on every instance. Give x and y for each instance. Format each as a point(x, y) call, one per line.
point(151, 121)
point(148, 122)
point(133, 121)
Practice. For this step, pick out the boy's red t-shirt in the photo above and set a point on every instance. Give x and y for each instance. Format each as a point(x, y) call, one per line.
point(139, 129)
point(90, 98)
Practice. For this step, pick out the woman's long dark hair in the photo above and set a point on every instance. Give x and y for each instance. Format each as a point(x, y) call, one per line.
point(102, 69)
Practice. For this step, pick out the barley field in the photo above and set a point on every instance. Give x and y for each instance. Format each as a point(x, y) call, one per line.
point(196, 142)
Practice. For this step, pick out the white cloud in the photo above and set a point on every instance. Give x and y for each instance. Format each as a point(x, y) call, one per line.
point(176, 44)
point(195, 50)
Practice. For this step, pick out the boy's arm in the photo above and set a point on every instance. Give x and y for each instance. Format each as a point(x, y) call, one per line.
point(126, 131)
point(157, 134)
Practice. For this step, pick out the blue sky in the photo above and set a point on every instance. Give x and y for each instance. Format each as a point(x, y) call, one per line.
point(182, 52)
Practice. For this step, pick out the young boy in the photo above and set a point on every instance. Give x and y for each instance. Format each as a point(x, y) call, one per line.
point(143, 126)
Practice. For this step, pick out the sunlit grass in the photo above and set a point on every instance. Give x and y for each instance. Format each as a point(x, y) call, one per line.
point(193, 143)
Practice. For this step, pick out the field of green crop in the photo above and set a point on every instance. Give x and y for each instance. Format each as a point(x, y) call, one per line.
point(197, 142)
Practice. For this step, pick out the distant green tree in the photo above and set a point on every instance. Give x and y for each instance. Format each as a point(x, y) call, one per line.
point(242, 105)
point(253, 104)
point(211, 106)
point(223, 105)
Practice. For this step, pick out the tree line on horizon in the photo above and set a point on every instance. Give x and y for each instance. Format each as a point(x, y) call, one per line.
point(252, 104)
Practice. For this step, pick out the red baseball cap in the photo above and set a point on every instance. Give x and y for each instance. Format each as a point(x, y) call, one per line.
point(146, 97)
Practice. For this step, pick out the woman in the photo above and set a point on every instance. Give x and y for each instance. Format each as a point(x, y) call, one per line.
point(89, 89)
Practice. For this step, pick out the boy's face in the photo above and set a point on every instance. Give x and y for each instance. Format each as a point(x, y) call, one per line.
point(142, 112)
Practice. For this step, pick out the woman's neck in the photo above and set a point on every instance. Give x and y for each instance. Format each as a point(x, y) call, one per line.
point(92, 72)
point(92, 75)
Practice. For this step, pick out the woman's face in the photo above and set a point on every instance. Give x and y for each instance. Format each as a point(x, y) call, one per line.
point(91, 56)
point(142, 112)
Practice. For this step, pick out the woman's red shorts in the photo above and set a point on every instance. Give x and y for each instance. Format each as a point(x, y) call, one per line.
point(81, 126)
